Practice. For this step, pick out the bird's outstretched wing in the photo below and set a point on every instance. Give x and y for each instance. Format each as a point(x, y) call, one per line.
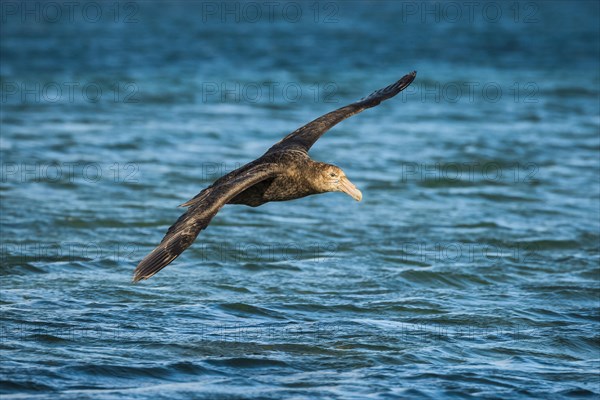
point(304, 137)
point(183, 232)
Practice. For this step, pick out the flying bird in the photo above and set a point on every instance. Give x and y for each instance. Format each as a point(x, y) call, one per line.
point(284, 172)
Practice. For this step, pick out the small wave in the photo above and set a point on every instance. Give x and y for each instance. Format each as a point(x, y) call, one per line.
point(505, 198)
point(248, 362)
point(444, 279)
point(23, 386)
point(477, 225)
point(249, 310)
point(121, 371)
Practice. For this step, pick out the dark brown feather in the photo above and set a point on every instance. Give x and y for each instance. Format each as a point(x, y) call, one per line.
point(303, 138)
point(183, 232)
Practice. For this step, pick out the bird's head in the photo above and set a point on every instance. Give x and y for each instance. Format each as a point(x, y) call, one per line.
point(333, 179)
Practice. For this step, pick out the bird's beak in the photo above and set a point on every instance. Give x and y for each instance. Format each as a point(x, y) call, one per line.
point(347, 187)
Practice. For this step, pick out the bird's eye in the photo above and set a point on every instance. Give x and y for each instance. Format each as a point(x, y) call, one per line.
point(333, 175)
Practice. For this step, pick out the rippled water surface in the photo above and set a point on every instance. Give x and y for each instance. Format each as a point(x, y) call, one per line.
point(470, 268)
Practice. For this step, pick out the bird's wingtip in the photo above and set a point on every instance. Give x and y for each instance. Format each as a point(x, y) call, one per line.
point(406, 80)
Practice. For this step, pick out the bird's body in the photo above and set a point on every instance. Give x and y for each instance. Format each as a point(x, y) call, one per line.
point(285, 172)
point(293, 182)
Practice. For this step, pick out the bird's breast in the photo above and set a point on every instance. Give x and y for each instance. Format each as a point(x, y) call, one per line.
point(287, 188)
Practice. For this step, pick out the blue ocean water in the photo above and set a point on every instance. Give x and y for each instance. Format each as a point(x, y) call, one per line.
point(470, 268)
